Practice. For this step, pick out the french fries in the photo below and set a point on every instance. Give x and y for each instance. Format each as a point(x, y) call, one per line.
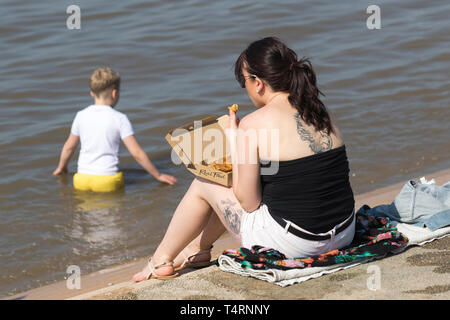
point(225, 167)
point(234, 107)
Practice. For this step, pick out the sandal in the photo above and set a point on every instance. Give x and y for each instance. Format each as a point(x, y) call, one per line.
point(188, 264)
point(152, 274)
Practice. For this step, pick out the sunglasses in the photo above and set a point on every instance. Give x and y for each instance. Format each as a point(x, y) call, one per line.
point(242, 83)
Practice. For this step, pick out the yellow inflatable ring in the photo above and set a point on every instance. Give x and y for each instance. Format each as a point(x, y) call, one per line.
point(98, 183)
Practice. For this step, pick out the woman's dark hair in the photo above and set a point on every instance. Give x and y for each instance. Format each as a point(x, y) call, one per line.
point(272, 61)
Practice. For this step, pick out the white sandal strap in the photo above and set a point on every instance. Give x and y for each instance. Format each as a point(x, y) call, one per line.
point(163, 264)
point(186, 257)
point(153, 267)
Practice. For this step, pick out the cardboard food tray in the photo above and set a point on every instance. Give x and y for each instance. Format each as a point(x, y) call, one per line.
point(189, 142)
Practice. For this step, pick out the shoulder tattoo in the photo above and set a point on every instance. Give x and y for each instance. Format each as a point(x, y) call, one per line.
point(318, 142)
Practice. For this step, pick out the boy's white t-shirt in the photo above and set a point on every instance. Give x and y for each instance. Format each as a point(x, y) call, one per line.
point(101, 129)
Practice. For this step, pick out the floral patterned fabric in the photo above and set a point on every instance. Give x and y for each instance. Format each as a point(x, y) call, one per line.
point(374, 237)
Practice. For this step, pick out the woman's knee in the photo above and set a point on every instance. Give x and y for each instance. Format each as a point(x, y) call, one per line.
point(197, 185)
point(200, 187)
point(207, 187)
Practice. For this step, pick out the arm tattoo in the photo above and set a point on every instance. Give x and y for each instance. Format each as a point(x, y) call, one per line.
point(317, 144)
point(231, 214)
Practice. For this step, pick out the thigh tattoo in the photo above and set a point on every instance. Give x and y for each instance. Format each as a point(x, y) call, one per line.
point(231, 214)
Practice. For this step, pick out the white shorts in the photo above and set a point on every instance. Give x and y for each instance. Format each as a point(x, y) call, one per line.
point(259, 228)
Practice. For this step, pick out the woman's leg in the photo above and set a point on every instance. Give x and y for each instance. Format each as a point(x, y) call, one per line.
point(212, 231)
point(192, 216)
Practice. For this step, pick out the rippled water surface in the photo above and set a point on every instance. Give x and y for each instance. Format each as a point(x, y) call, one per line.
point(388, 88)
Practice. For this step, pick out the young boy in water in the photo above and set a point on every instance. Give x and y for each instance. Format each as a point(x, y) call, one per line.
point(100, 128)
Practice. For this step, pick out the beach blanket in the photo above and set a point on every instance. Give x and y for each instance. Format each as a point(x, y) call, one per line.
point(375, 237)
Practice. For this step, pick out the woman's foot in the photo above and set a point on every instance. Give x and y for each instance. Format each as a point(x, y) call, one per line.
point(163, 271)
point(192, 258)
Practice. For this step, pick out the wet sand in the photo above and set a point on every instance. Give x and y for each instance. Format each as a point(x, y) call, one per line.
point(399, 274)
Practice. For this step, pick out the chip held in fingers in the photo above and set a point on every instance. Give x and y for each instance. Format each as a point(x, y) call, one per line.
point(234, 108)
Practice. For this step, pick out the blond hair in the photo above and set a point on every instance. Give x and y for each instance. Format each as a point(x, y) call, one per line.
point(104, 79)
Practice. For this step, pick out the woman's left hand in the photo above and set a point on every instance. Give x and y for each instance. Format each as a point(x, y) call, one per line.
point(233, 120)
point(231, 129)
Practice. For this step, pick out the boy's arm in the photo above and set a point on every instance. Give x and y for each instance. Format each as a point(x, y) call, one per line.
point(141, 157)
point(66, 153)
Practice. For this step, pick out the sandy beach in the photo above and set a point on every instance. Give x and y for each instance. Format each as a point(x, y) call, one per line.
point(399, 274)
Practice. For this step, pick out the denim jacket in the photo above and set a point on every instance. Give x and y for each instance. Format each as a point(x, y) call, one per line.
point(420, 204)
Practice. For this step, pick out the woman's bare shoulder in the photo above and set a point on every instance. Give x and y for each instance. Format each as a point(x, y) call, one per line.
point(252, 120)
point(260, 118)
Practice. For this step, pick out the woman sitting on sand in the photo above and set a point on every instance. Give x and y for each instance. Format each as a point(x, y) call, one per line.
point(304, 208)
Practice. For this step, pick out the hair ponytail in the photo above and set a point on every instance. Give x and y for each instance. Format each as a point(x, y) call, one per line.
point(272, 61)
point(304, 96)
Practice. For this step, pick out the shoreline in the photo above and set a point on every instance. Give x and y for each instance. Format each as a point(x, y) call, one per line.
point(116, 281)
